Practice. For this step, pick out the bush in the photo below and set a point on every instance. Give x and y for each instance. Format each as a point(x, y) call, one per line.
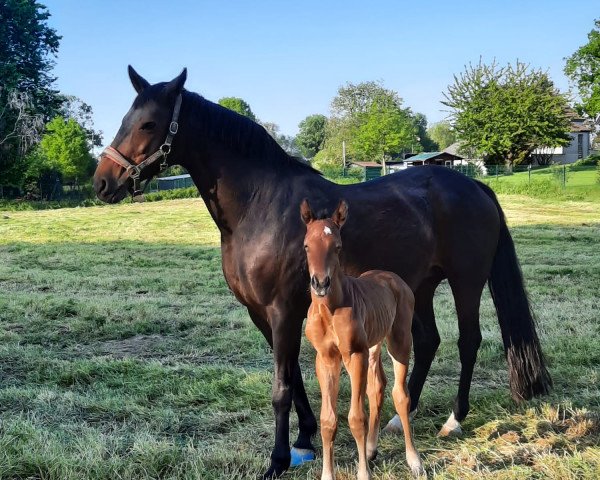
point(190, 192)
point(590, 161)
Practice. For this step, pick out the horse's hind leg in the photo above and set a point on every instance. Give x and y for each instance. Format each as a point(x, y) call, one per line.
point(399, 343)
point(467, 297)
point(376, 382)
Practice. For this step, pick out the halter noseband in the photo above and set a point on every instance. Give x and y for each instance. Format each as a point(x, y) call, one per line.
point(134, 170)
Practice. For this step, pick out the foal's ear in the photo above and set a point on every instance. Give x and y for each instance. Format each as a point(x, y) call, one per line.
point(341, 214)
point(306, 212)
point(138, 82)
point(175, 86)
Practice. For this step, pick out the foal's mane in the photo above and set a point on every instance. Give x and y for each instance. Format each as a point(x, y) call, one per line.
point(241, 134)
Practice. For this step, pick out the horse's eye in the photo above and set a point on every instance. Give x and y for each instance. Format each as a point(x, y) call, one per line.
point(148, 126)
point(306, 247)
point(338, 248)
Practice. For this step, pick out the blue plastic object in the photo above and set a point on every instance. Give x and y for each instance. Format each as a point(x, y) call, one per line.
point(300, 456)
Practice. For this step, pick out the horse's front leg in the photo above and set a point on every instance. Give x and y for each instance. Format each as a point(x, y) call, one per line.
point(286, 349)
point(303, 449)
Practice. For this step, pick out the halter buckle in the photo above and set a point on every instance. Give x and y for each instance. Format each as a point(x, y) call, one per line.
point(165, 148)
point(173, 128)
point(134, 172)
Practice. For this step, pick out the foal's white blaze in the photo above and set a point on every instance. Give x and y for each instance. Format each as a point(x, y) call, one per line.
point(327, 230)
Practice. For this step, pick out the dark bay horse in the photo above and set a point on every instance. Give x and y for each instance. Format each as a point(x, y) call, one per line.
point(426, 224)
point(347, 322)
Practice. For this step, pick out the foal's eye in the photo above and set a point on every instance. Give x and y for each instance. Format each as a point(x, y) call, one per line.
point(148, 126)
point(306, 248)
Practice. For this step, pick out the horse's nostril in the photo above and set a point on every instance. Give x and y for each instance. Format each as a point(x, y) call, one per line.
point(314, 282)
point(326, 282)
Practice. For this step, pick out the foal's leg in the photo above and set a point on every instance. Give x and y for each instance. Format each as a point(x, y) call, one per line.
point(357, 365)
point(376, 382)
point(328, 372)
point(399, 343)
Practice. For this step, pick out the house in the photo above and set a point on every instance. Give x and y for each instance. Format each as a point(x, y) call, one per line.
point(433, 158)
point(173, 182)
point(580, 146)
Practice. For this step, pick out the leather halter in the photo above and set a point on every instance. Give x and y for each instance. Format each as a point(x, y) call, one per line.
point(134, 170)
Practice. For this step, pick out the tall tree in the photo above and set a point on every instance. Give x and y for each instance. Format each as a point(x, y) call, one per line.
point(504, 113)
point(65, 148)
point(238, 105)
point(287, 142)
point(311, 136)
point(27, 47)
point(372, 122)
point(426, 142)
point(442, 134)
point(583, 68)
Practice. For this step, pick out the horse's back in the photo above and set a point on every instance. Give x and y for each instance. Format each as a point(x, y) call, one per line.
point(420, 219)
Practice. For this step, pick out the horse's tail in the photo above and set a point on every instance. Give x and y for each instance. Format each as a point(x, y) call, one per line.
point(528, 375)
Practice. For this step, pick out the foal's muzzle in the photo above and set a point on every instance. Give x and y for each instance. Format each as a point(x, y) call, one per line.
point(320, 287)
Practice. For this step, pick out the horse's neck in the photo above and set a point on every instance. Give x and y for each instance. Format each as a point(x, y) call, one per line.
point(235, 165)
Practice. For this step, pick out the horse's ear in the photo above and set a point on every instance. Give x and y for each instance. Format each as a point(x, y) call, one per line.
point(306, 212)
point(138, 82)
point(175, 86)
point(341, 214)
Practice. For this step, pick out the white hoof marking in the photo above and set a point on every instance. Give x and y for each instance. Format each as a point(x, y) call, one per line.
point(395, 425)
point(451, 428)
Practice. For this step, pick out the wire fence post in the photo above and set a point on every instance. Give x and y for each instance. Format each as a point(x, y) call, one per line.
point(564, 176)
point(529, 171)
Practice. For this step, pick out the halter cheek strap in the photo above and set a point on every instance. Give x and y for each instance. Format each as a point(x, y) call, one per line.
point(133, 170)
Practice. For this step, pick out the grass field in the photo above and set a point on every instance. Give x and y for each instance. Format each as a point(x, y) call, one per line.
point(570, 182)
point(124, 356)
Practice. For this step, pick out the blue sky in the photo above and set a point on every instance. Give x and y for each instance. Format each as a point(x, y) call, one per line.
point(287, 59)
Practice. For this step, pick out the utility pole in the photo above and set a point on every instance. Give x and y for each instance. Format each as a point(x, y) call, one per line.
point(343, 158)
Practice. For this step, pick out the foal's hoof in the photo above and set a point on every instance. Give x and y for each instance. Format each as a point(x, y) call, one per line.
point(301, 456)
point(371, 455)
point(451, 428)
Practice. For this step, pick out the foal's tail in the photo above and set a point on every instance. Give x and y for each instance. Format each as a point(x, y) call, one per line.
point(528, 375)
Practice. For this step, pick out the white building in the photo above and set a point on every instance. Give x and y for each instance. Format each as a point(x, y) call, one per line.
point(580, 146)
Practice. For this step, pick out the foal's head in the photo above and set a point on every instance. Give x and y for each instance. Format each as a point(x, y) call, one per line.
point(323, 244)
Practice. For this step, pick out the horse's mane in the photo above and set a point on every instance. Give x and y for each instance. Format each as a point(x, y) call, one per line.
point(239, 133)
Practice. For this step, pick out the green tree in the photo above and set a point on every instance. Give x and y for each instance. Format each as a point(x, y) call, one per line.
point(27, 96)
point(238, 105)
point(287, 142)
point(503, 114)
point(65, 148)
point(427, 143)
point(384, 130)
point(311, 137)
point(442, 134)
point(583, 68)
point(372, 122)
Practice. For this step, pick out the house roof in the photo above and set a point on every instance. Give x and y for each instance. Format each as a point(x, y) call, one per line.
point(174, 177)
point(423, 156)
point(367, 164)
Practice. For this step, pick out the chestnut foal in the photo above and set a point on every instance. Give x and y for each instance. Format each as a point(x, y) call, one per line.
point(348, 320)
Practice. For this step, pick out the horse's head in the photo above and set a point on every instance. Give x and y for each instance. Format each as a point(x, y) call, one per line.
point(322, 244)
point(144, 139)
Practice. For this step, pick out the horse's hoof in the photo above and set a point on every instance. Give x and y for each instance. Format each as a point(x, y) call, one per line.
point(273, 472)
point(418, 470)
point(451, 428)
point(394, 426)
point(301, 456)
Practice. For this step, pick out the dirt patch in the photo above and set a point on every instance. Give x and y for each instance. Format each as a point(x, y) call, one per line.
point(139, 346)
